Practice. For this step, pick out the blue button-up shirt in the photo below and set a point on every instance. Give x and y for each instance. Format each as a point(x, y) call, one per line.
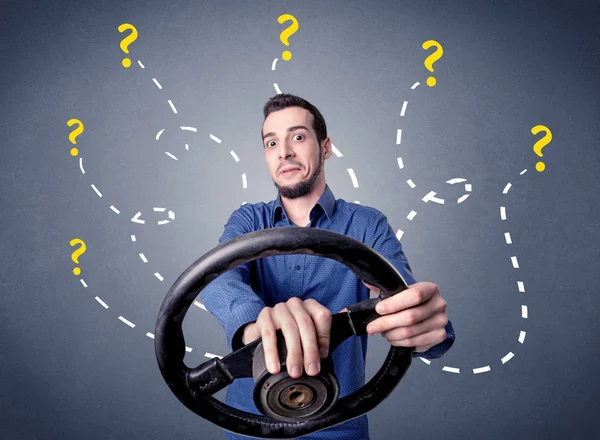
point(236, 297)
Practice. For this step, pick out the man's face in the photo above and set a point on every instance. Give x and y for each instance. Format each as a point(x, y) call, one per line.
point(290, 143)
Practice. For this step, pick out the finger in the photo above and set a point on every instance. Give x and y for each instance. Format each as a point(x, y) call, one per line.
point(322, 319)
point(405, 318)
point(285, 321)
point(267, 330)
point(308, 336)
point(424, 341)
point(415, 295)
point(430, 324)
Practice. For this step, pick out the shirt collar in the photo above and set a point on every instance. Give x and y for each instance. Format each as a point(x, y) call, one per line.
point(326, 202)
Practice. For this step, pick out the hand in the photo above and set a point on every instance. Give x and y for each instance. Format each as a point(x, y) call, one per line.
point(306, 327)
point(415, 317)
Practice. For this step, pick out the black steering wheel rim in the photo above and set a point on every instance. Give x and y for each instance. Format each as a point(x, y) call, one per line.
point(195, 387)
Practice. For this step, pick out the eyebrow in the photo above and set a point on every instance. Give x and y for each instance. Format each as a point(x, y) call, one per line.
point(295, 127)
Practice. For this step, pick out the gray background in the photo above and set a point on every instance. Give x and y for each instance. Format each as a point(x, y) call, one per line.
point(69, 368)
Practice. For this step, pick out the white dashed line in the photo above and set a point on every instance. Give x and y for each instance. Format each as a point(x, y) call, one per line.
point(171, 216)
point(521, 286)
point(411, 183)
point(399, 136)
point(427, 361)
point(463, 198)
point(524, 311)
point(235, 156)
point(244, 182)
point(187, 147)
point(337, 152)
point(83, 282)
point(523, 172)
point(172, 106)
point(150, 335)
point(411, 215)
point(506, 188)
point(468, 187)
point(159, 276)
point(357, 202)
point(508, 357)
point(399, 234)
point(140, 63)
point(133, 238)
point(210, 355)
point(503, 213)
point(198, 304)
point(481, 369)
point(404, 104)
point(521, 337)
point(277, 88)
point(136, 218)
point(102, 303)
point(273, 64)
point(507, 238)
point(216, 139)
point(96, 189)
point(157, 84)
point(81, 165)
point(188, 349)
point(514, 261)
point(186, 128)
point(430, 197)
point(353, 177)
point(143, 257)
point(400, 163)
point(159, 133)
point(115, 209)
point(415, 85)
point(171, 155)
point(451, 370)
point(129, 323)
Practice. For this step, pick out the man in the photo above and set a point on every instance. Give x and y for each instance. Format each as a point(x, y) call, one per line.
point(299, 293)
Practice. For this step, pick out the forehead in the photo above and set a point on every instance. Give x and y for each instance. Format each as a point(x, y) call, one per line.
point(279, 121)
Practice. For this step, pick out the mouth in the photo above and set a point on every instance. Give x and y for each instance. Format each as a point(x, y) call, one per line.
point(289, 171)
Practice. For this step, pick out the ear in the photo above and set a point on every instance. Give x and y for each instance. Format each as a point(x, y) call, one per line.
point(327, 148)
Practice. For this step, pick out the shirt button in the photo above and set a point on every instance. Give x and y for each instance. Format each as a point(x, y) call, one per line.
point(297, 267)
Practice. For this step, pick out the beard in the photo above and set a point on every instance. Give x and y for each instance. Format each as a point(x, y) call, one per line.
point(302, 188)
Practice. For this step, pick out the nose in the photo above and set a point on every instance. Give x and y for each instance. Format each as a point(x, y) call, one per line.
point(285, 150)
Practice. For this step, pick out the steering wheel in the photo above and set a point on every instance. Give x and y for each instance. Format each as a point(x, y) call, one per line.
point(291, 407)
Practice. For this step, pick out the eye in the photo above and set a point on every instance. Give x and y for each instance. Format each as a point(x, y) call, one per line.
point(269, 143)
point(296, 135)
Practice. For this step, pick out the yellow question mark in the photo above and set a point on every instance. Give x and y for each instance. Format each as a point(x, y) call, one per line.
point(73, 135)
point(287, 33)
point(127, 41)
point(432, 58)
point(78, 253)
point(537, 148)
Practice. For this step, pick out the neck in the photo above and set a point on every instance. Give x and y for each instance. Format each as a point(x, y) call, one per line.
point(298, 209)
